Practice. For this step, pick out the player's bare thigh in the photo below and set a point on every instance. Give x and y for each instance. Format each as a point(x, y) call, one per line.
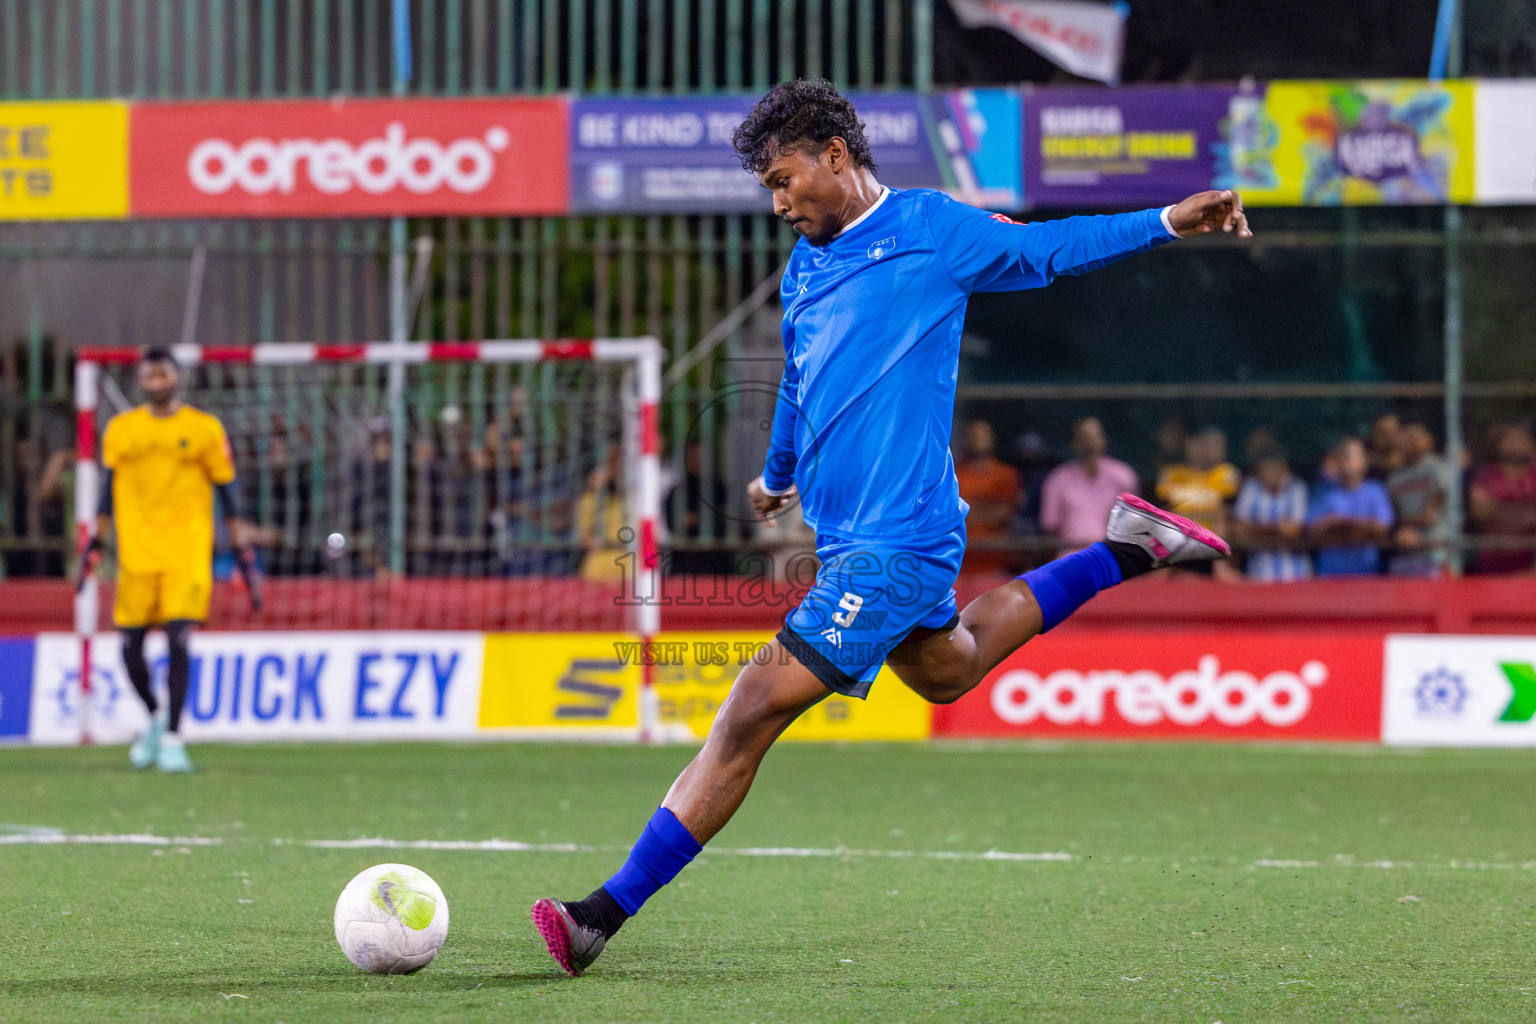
point(941, 666)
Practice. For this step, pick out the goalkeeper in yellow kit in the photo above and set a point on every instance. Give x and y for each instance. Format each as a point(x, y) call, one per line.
point(163, 462)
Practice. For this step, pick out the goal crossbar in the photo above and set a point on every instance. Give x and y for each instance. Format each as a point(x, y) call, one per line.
point(644, 354)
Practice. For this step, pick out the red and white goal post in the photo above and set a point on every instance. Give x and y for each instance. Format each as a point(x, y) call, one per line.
point(576, 398)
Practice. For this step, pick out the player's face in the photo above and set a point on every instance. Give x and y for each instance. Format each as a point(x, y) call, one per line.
point(811, 190)
point(159, 380)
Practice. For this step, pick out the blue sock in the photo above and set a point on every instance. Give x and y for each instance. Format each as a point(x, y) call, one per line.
point(1061, 587)
point(663, 849)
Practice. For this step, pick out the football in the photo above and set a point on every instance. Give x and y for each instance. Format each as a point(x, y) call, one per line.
point(391, 919)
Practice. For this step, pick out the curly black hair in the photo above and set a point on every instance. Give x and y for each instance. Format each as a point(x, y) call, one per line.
point(806, 113)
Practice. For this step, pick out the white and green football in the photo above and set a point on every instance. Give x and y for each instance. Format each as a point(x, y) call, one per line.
point(391, 919)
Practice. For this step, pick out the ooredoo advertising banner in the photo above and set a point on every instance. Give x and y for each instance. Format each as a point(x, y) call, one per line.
point(1506, 141)
point(674, 155)
point(1460, 691)
point(1176, 685)
point(1352, 144)
point(1121, 147)
point(347, 158)
point(63, 160)
point(279, 686)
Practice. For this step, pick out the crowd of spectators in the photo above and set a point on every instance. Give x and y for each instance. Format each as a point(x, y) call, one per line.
point(1375, 503)
point(488, 502)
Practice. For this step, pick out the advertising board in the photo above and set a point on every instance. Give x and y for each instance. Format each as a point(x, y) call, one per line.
point(63, 160)
point(1376, 143)
point(1121, 147)
point(1462, 691)
point(1506, 141)
point(271, 686)
point(15, 687)
point(1178, 685)
point(586, 684)
point(349, 158)
point(674, 154)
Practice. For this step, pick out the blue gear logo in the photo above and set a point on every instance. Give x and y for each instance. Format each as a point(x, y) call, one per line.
point(105, 691)
point(1440, 694)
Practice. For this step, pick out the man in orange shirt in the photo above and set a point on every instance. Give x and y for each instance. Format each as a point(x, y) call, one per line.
point(991, 487)
point(163, 461)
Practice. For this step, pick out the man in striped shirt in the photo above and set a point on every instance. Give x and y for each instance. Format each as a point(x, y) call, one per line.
point(1272, 509)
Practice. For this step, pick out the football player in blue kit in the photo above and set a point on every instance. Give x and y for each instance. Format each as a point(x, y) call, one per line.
point(874, 299)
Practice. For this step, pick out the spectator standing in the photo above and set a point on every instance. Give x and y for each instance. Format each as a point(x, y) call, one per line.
point(1502, 500)
point(1171, 437)
point(1383, 452)
point(1200, 487)
point(1351, 519)
point(703, 517)
point(1418, 488)
point(1271, 515)
point(1034, 463)
point(991, 487)
point(600, 516)
point(1077, 495)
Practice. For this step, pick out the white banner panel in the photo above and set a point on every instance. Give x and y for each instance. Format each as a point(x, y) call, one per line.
point(272, 686)
point(1084, 36)
point(1506, 141)
point(1460, 691)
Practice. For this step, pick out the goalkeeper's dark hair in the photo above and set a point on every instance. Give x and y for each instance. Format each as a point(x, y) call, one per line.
point(804, 114)
point(158, 354)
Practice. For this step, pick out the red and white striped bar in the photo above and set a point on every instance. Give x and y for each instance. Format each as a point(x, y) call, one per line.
point(301, 353)
point(644, 353)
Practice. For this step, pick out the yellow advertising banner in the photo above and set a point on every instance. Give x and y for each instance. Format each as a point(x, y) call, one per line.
point(64, 160)
point(1352, 144)
point(553, 682)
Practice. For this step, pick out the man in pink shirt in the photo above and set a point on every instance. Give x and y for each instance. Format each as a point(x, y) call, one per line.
point(1078, 494)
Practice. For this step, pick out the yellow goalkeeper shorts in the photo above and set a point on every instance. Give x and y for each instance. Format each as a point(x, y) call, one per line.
point(153, 599)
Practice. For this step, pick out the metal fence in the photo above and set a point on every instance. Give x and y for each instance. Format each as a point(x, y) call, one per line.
point(240, 48)
point(1378, 338)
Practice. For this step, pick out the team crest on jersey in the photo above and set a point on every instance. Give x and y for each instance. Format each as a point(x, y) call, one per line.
point(882, 247)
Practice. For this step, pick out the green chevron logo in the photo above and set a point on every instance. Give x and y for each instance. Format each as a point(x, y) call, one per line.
point(1522, 678)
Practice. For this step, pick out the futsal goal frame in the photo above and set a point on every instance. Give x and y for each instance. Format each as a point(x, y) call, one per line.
point(642, 426)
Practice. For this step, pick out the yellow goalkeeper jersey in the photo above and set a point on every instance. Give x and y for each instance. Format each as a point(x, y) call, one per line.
point(164, 469)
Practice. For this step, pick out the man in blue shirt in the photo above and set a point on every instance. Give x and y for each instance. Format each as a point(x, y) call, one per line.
point(1352, 519)
point(874, 299)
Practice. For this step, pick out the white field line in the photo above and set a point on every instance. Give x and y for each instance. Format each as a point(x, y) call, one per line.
point(510, 846)
point(54, 837)
point(35, 836)
point(50, 837)
point(1397, 865)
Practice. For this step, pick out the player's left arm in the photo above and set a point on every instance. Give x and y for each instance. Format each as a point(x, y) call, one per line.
point(219, 464)
point(994, 253)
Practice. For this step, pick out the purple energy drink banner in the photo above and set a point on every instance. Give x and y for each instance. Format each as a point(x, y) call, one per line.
point(1093, 147)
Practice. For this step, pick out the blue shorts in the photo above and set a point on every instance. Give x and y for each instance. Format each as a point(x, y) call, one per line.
point(867, 598)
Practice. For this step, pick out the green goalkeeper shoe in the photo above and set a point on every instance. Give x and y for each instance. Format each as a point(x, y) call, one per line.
point(146, 749)
point(173, 757)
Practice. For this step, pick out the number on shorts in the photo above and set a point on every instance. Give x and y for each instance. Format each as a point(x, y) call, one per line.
point(850, 605)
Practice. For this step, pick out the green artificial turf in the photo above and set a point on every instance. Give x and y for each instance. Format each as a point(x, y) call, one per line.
point(1204, 883)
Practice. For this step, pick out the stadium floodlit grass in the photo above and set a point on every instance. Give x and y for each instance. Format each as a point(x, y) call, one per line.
point(1203, 883)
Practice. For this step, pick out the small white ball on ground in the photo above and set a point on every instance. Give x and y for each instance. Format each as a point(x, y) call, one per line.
point(391, 919)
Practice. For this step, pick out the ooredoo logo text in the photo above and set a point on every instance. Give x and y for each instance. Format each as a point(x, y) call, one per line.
point(1230, 697)
point(392, 160)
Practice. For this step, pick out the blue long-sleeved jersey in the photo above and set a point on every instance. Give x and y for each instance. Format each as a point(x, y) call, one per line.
point(872, 325)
